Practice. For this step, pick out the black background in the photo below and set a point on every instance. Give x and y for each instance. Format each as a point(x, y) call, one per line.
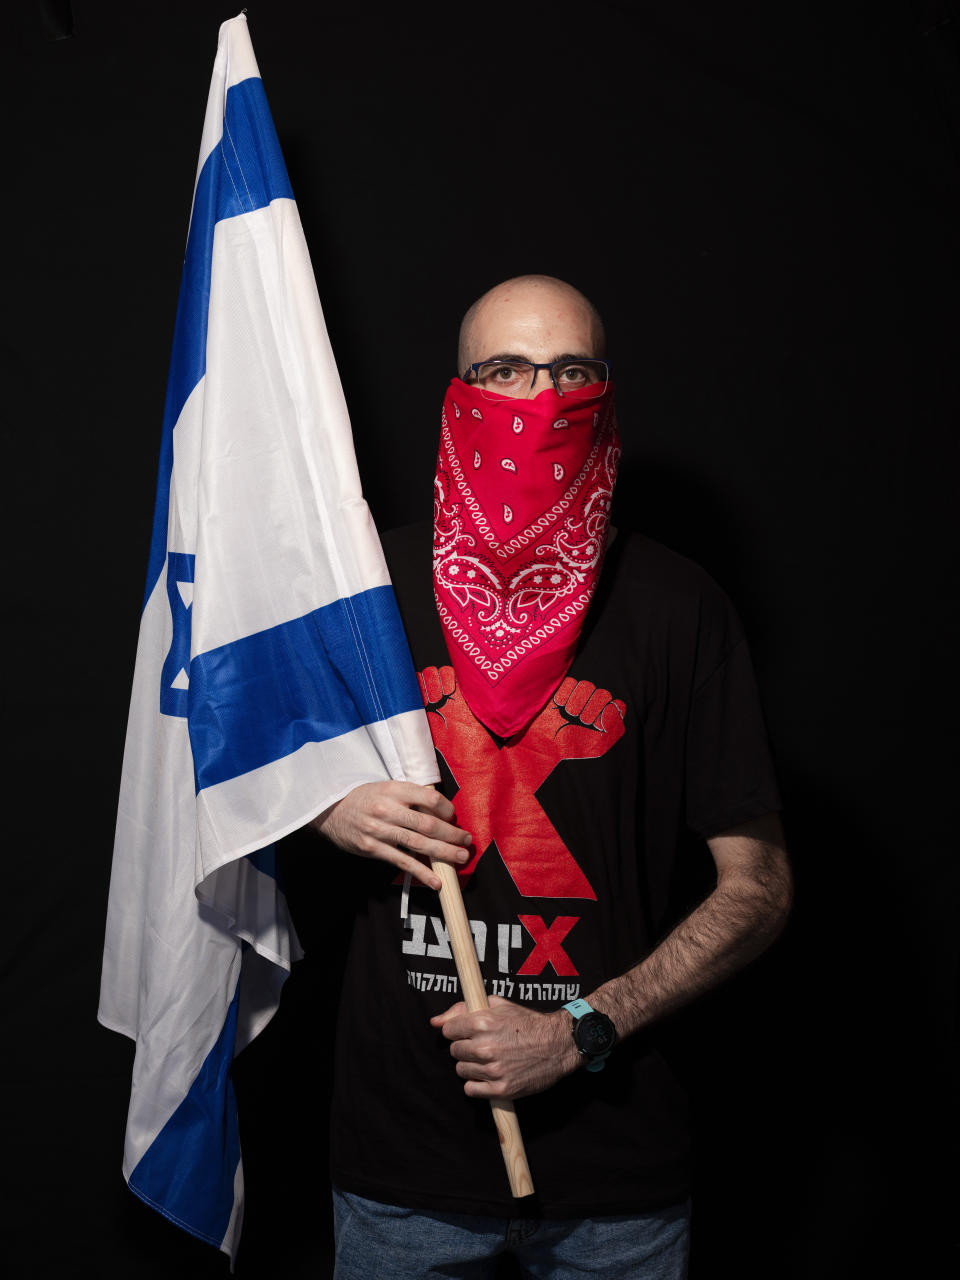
point(763, 202)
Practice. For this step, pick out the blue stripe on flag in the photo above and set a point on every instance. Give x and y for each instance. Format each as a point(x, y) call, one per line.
point(187, 1172)
point(262, 697)
point(244, 172)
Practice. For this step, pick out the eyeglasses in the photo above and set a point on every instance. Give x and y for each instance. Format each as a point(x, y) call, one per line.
point(516, 377)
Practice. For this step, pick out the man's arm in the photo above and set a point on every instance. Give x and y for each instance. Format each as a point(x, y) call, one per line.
point(509, 1051)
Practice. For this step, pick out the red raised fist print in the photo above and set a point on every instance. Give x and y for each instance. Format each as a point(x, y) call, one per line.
point(496, 800)
point(580, 721)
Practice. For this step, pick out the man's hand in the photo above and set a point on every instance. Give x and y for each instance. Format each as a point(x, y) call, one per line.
point(508, 1051)
point(397, 822)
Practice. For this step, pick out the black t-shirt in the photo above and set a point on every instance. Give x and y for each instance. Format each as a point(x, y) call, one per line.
point(577, 829)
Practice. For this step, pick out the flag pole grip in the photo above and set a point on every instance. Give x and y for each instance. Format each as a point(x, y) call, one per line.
point(475, 997)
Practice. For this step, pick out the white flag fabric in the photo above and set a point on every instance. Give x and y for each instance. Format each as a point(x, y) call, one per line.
point(272, 672)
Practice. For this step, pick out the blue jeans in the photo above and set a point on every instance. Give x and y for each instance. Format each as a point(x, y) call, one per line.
point(384, 1242)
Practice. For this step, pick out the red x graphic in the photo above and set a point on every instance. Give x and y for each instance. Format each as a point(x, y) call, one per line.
point(547, 948)
point(496, 801)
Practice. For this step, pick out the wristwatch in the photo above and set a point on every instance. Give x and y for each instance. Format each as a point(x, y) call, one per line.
point(593, 1034)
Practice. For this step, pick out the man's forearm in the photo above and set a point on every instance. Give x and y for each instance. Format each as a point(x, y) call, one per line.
point(509, 1051)
point(735, 923)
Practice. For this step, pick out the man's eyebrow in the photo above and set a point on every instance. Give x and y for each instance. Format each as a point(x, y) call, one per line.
point(514, 356)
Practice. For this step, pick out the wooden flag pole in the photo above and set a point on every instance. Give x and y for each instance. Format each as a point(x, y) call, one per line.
point(475, 997)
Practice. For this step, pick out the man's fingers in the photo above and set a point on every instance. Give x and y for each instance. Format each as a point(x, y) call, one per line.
point(470, 1069)
point(439, 1019)
point(439, 850)
point(472, 1051)
point(427, 799)
point(450, 845)
point(486, 1089)
point(460, 1023)
point(464, 1024)
point(422, 872)
point(393, 820)
point(431, 826)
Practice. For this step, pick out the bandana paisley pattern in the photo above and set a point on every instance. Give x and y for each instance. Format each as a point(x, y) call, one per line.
point(522, 498)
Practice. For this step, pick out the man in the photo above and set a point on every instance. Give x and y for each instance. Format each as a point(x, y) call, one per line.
point(590, 697)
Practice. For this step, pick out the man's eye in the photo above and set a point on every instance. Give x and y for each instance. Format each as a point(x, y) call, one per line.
point(581, 373)
point(503, 377)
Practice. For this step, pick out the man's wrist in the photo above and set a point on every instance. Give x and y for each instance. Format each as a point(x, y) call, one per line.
point(568, 1055)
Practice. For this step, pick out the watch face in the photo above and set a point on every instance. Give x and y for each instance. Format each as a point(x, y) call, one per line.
point(594, 1034)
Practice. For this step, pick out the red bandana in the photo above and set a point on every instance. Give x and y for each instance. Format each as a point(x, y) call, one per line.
point(522, 502)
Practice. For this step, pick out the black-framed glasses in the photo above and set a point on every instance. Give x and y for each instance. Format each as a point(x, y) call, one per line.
point(516, 377)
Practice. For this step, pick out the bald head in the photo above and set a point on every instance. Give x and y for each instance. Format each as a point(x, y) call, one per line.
point(536, 318)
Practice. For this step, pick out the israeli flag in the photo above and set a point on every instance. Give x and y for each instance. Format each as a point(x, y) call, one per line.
point(272, 672)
